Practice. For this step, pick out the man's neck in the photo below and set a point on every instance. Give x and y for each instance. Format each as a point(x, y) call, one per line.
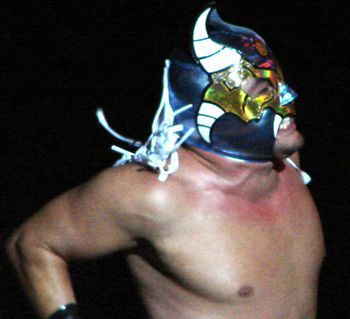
point(251, 180)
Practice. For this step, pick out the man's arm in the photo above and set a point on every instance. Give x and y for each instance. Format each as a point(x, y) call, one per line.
point(94, 219)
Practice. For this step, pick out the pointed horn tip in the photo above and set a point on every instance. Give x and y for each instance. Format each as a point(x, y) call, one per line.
point(99, 110)
point(200, 30)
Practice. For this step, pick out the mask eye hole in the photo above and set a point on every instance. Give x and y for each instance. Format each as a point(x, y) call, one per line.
point(256, 87)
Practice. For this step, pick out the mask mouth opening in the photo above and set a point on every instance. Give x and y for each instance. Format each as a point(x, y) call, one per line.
point(276, 124)
point(283, 123)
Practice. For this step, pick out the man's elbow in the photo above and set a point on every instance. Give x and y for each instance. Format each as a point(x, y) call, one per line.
point(13, 248)
point(24, 247)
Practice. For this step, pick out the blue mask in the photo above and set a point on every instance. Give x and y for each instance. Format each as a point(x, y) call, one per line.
point(229, 120)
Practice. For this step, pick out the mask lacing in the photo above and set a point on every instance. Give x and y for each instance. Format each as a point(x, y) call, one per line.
point(159, 151)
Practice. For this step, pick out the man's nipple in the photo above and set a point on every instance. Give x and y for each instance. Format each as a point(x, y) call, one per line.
point(246, 291)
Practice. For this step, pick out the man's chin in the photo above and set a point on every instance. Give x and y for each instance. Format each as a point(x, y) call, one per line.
point(280, 155)
point(284, 149)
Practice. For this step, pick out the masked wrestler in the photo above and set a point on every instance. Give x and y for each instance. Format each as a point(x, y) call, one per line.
point(216, 191)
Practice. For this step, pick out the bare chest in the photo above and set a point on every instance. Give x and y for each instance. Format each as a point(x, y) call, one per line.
point(235, 251)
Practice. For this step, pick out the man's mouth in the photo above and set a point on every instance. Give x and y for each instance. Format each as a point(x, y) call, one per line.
point(284, 125)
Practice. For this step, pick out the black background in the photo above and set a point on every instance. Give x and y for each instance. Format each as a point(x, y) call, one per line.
point(61, 60)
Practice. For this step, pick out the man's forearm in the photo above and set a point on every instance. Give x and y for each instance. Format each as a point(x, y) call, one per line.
point(44, 275)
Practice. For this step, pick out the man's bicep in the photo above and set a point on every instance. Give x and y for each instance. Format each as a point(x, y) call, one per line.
point(82, 223)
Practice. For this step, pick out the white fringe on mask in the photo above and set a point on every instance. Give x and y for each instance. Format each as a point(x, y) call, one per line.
point(159, 151)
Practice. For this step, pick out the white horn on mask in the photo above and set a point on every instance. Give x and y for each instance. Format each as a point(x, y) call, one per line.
point(208, 113)
point(211, 55)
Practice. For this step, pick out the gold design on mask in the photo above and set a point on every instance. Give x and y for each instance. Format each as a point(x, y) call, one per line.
point(227, 92)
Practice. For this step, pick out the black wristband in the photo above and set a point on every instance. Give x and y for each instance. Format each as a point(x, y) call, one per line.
point(69, 311)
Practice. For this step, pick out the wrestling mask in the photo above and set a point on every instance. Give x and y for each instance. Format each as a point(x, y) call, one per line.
point(230, 118)
point(229, 99)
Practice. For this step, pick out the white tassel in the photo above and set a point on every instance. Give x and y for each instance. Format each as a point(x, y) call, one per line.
point(102, 120)
point(159, 151)
point(305, 176)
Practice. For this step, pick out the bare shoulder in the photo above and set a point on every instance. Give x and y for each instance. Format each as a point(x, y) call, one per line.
point(132, 195)
point(132, 188)
point(105, 214)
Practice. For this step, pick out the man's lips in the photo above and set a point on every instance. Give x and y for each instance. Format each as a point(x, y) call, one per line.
point(284, 126)
point(287, 124)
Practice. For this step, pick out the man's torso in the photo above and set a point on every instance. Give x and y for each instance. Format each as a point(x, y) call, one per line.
point(218, 255)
